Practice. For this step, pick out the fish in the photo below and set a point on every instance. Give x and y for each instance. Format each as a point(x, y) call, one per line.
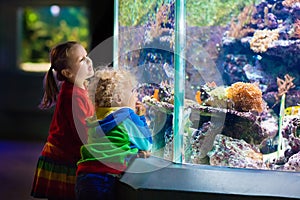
point(257, 57)
point(292, 110)
point(156, 94)
point(198, 97)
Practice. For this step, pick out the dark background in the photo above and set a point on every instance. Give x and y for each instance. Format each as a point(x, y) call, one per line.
point(21, 91)
point(23, 127)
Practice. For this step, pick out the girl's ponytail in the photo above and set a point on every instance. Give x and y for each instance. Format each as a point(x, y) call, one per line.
point(51, 90)
point(59, 61)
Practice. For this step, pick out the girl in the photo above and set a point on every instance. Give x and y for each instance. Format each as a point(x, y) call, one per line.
point(119, 133)
point(56, 167)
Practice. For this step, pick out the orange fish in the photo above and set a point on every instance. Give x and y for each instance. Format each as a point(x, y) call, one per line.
point(198, 97)
point(155, 95)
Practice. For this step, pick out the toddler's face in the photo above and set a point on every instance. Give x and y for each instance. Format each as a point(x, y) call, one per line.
point(130, 97)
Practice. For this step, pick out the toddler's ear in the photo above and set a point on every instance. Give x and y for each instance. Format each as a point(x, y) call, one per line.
point(117, 99)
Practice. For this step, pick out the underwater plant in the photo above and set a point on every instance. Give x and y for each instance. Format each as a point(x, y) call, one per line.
point(136, 12)
point(283, 88)
point(213, 13)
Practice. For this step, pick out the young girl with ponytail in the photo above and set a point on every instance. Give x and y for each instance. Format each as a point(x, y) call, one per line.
point(65, 88)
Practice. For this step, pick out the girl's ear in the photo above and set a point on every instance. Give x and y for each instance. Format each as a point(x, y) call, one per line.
point(66, 73)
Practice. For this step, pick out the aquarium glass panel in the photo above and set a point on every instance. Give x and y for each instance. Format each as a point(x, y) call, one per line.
point(241, 79)
point(244, 72)
point(146, 46)
point(41, 28)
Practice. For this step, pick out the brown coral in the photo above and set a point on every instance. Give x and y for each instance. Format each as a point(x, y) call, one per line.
point(262, 39)
point(240, 28)
point(246, 96)
point(284, 85)
point(295, 32)
point(161, 18)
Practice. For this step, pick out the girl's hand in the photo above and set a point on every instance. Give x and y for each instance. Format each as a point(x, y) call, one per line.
point(140, 109)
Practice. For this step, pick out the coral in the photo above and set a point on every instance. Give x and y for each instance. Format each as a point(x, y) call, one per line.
point(262, 39)
point(266, 12)
point(284, 85)
point(235, 153)
point(290, 131)
point(290, 3)
point(218, 98)
point(291, 142)
point(295, 12)
point(240, 28)
point(240, 125)
point(246, 97)
point(293, 163)
point(202, 141)
point(161, 18)
point(162, 27)
point(295, 31)
point(272, 22)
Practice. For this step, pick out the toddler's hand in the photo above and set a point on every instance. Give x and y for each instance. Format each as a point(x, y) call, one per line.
point(143, 154)
point(140, 109)
point(91, 121)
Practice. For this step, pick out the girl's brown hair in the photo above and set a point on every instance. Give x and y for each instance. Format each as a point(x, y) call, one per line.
point(59, 61)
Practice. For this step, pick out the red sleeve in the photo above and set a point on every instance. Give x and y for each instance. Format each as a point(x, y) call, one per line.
point(82, 108)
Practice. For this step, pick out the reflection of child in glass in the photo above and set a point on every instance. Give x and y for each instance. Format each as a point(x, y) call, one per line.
point(55, 174)
point(118, 134)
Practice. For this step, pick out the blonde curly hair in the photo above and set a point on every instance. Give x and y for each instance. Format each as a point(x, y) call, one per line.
point(109, 82)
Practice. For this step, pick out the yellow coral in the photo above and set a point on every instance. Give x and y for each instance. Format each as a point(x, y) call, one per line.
point(246, 96)
point(262, 39)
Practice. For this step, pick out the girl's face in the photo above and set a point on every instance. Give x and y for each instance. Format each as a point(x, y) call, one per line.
point(80, 66)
